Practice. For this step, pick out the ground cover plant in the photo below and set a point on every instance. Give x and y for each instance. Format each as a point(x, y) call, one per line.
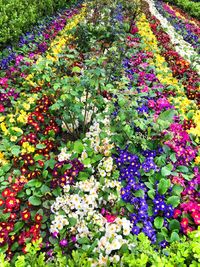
point(99, 152)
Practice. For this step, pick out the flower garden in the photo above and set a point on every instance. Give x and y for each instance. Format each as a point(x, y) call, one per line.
point(100, 138)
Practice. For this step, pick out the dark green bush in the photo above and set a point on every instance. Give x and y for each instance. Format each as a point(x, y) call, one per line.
point(16, 16)
point(188, 6)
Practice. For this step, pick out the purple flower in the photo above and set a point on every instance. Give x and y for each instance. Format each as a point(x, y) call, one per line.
point(135, 230)
point(63, 243)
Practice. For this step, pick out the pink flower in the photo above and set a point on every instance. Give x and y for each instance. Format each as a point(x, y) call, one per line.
point(2, 108)
point(4, 82)
point(134, 30)
point(145, 89)
point(196, 217)
point(151, 103)
point(110, 218)
point(177, 213)
point(184, 223)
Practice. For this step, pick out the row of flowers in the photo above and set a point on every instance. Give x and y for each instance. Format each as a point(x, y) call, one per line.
point(182, 47)
point(181, 69)
point(134, 168)
point(189, 32)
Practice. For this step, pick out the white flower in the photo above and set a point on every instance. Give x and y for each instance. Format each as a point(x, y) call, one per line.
point(102, 173)
point(84, 155)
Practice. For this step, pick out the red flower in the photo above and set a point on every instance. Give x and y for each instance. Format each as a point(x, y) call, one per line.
point(7, 192)
point(24, 249)
point(11, 202)
point(3, 240)
point(13, 216)
point(196, 217)
point(2, 108)
point(1, 202)
point(177, 213)
point(38, 218)
point(25, 215)
point(184, 223)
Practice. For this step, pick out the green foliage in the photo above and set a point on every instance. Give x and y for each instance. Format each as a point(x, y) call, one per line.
point(180, 253)
point(16, 16)
point(188, 6)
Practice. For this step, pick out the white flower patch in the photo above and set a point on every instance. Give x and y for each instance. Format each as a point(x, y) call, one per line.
point(180, 45)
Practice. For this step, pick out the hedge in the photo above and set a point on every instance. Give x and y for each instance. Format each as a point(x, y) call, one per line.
point(191, 7)
point(16, 16)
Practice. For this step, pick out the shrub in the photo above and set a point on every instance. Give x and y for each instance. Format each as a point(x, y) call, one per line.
point(16, 16)
point(188, 6)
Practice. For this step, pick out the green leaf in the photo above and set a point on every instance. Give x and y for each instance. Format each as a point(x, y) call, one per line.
point(78, 146)
point(182, 169)
point(18, 226)
point(174, 237)
point(174, 224)
point(130, 207)
point(165, 171)
point(76, 69)
point(57, 191)
point(45, 174)
point(151, 193)
point(38, 157)
point(139, 193)
point(33, 183)
point(167, 115)
point(177, 189)
point(40, 146)
point(44, 189)
point(158, 222)
point(15, 150)
point(83, 240)
point(174, 201)
point(163, 186)
point(66, 167)
point(72, 222)
point(35, 201)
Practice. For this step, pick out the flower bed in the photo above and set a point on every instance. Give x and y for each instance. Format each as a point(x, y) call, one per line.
point(99, 151)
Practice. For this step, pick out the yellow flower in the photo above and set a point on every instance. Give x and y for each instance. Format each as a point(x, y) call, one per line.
point(197, 160)
point(3, 128)
point(27, 148)
point(26, 106)
point(2, 118)
point(13, 138)
point(164, 74)
point(23, 117)
point(2, 159)
point(31, 100)
point(11, 120)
